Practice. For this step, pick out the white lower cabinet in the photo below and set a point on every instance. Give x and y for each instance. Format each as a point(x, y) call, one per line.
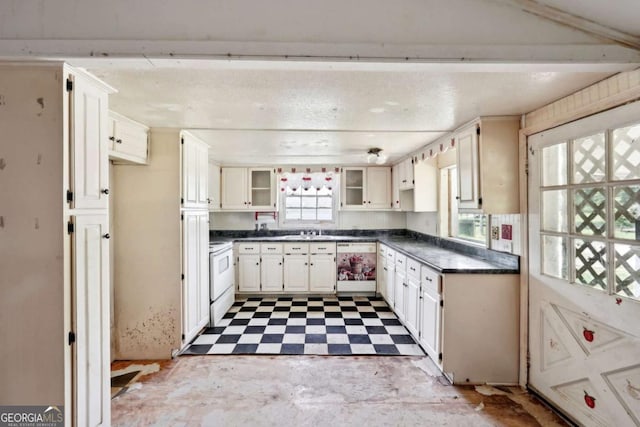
point(430, 315)
point(381, 276)
point(322, 272)
point(390, 280)
point(195, 302)
point(296, 272)
point(412, 305)
point(249, 273)
point(271, 273)
point(398, 293)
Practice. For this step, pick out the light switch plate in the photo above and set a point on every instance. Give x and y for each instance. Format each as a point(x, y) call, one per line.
point(495, 232)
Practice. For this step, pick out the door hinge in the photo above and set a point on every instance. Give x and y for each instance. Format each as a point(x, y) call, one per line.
point(182, 200)
point(480, 201)
point(69, 85)
point(182, 277)
point(69, 196)
point(413, 181)
point(182, 142)
point(478, 130)
point(441, 303)
point(72, 337)
point(440, 356)
point(183, 337)
point(181, 217)
point(70, 227)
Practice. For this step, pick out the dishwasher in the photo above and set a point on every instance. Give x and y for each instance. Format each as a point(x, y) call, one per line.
point(356, 267)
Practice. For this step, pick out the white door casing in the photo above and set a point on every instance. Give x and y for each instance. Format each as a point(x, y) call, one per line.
point(584, 340)
point(90, 287)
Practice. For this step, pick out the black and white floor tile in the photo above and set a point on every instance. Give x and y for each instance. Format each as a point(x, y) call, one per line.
point(308, 325)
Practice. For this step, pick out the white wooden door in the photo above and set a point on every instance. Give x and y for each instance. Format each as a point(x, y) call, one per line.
point(90, 290)
point(296, 273)
point(584, 281)
point(395, 186)
point(272, 273)
point(398, 293)
point(322, 273)
point(129, 139)
point(234, 188)
point(381, 275)
point(195, 172)
point(249, 273)
point(195, 294)
point(467, 167)
point(430, 317)
point(412, 305)
point(89, 172)
point(379, 188)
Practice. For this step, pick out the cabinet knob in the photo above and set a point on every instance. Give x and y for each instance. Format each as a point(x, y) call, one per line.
point(257, 263)
point(311, 264)
point(118, 141)
point(105, 191)
point(306, 263)
point(369, 202)
point(457, 197)
point(209, 201)
point(112, 138)
point(364, 202)
point(249, 203)
point(279, 263)
point(107, 236)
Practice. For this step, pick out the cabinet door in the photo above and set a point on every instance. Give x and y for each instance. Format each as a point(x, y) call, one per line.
point(353, 188)
point(233, 184)
point(130, 141)
point(195, 178)
point(379, 188)
point(467, 167)
point(89, 146)
point(322, 273)
point(296, 273)
point(249, 273)
point(195, 265)
point(382, 276)
point(91, 319)
point(390, 279)
point(430, 318)
point(272, 273)
point(214, 187)
point(395, 187)
point(412, 305)
point(262, 189)
point(398, 294)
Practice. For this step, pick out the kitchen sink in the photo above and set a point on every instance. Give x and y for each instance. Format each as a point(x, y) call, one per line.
point(323, 237)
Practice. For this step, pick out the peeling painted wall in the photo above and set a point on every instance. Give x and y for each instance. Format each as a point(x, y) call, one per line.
point(32, 248)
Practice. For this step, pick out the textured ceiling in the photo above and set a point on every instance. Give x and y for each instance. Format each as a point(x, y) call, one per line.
point(298, 115)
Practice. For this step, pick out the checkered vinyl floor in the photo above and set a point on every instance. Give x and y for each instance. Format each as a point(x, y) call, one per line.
point(308, 325)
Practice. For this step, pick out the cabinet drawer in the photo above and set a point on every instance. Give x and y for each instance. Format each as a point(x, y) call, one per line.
point(249, 248)
point(430, 279)
point(391, 255)
point(322, 248)
point(271, 248)
point(413, 268)
point(296, 248)
point(401, 261)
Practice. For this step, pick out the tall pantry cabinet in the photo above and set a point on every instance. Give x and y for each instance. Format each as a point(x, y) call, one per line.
point(54, 231)
point(161, 252)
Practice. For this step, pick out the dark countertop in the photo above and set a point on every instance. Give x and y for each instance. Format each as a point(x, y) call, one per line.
point(442, 255)
point(443, 260)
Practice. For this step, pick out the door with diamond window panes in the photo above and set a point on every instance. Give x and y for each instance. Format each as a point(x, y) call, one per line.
point(584, 280)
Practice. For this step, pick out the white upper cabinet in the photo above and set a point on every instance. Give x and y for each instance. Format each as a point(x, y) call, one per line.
point(487, 165)
point(366, 188)
point(248, 188)
point(215, 203)
point(395, 187)
point(89, 167)
point(195, 172)
point(405, 174)
point(128, 140)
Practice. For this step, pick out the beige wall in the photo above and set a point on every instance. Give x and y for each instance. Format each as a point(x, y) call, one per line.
point(147, 252)
point(32, 236)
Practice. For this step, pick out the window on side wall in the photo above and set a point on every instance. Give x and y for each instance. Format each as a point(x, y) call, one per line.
point(308, 199)
point(460, 225)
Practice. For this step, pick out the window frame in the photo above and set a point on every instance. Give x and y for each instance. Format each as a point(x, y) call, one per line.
point(283, 222)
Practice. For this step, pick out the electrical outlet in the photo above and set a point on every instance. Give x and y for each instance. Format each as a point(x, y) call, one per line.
point(495, 232)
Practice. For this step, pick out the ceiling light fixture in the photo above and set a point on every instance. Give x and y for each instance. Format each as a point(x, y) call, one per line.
point(374, 155)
